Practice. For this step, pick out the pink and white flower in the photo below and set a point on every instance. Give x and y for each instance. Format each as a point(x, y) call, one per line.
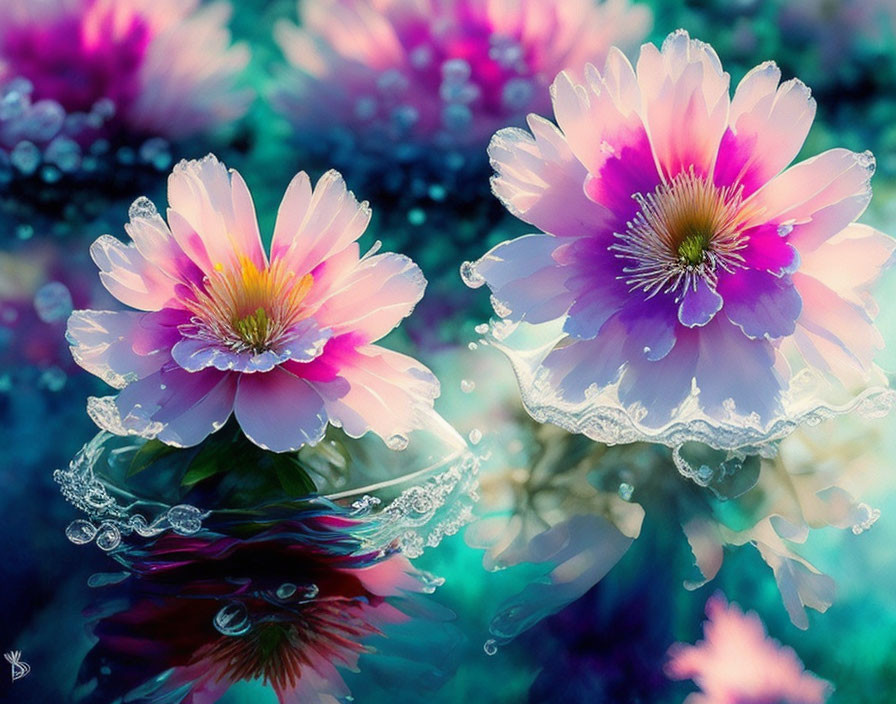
point(737, 663)
point(440, 72)
point(167, 66)
point(685, 272)
point(284, 340)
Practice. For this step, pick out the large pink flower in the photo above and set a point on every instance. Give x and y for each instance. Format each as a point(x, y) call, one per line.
point(680, 247)
point(738, 664)
point(166, 66)
point(282, 340)
point(440, 72)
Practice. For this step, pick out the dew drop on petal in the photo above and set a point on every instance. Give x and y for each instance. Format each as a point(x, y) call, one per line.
point(143, 207)
point(470, 275)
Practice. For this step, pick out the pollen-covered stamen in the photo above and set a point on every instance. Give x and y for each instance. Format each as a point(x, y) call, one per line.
point(248, 309)
point(686, 230)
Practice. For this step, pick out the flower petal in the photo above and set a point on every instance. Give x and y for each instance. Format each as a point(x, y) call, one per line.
point(761, 304)
point(699, 304)
point(524, 276)
point(313, 225)
point(371, 297)
point(279, 411)
point(102, 343)
point(388, 392)
point(129, 277)
point(768, 125)
point(540, 181)
point(766, 248)
point(820, 196)
point(183, 407)
point(725, 359)
point(217, 206)
point(685, 102)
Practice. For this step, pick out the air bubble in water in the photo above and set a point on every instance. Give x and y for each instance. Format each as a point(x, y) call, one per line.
point(475, 436)
point(625, 491)
point(467, 386)
point(232, 619)
point(481, 329)
point(185, 519)
point(108, 537)
point(80, 532)
point(490, 646)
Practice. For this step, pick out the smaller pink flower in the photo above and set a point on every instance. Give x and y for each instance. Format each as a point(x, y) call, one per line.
point(282, 340)
point(738, 663)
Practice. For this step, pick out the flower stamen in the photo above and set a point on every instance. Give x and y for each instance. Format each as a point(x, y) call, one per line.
point(686, 230)
point(248, 309)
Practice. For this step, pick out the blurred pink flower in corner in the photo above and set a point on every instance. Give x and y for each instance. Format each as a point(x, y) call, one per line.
point(737, 663)
point(441, 72)
point(149, 67)
point(282, 340)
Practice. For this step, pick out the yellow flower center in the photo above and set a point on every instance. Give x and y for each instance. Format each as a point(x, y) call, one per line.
point(249, 309)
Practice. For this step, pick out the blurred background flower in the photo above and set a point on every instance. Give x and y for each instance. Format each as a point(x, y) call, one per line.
point(737, 663)
point(93, 88)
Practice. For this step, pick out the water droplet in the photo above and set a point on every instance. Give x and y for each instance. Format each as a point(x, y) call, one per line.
point(53, 379)
point(80, 532)
point(456, 71)
point(25, 156)
point(310, 591)
point(490, 646)
point(233, 619)
point(417, 216)
point(286, 590)
point(108, 537)
point(625, 491)
point(467, 386)
point(870, 518)
point(470, 275)
point(475, 436)
point(500, 307)
point(517, 93)
point(481, 329)
point(397, 442)
point(143, 207)
point(53, 302)
point(185, 519)
point(472, 347)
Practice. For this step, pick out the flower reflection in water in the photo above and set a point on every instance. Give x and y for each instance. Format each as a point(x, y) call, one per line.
point(294, 604)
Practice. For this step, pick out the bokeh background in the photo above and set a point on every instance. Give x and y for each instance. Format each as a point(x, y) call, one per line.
point(607, 646)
